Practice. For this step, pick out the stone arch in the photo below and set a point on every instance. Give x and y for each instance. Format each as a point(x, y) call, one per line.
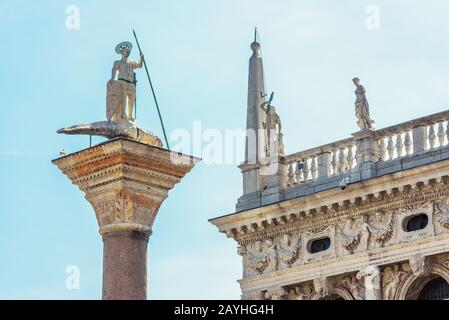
point(412, 285)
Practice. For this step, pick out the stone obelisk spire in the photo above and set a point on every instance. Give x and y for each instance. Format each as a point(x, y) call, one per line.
point(255, 116)
point(264, 148)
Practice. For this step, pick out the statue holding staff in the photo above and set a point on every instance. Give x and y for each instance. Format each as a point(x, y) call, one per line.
point(121, 93)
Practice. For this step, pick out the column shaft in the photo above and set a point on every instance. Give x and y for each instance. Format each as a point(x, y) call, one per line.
point(125, 265)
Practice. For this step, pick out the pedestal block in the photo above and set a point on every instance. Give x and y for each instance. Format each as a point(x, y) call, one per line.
point(125, 182)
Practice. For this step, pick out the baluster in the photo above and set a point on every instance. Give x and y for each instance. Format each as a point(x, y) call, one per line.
point(399, 145)
point(441, 133)
point(334, 162)
point(291, 175)
point(382, 149)
point(432, 136)
point(306, 170)
point(350, 158)
point(390, 148)
point(298, 172)
point(447, 132)
point(313, 168)
point(341, 160)
point(408, 143)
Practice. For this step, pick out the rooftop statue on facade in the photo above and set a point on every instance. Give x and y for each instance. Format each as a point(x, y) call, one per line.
point(273, 127)
point(364, 120)
point(120, 102)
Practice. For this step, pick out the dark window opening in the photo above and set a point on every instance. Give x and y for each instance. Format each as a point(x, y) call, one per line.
point(436, 289)
point(417, 222)
point(320, 245)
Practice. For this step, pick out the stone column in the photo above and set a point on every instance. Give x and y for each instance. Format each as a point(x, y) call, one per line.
point(125, 182)
point(372, 276)
point(125, 265)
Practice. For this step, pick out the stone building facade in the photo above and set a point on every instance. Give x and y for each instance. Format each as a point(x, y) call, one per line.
point(364, 218)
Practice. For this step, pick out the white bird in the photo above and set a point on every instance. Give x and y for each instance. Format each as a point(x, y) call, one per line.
point(62, 153)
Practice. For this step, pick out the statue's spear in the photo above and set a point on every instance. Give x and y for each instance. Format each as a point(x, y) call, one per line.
point(152, 91)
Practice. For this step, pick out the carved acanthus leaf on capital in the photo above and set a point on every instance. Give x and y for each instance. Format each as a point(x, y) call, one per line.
point(122, 209)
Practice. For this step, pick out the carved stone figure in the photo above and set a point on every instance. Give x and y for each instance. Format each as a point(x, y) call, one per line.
point(355, 287)
point(271, 253)
point(124, 88)
point(292, 294)
point(418, 265)
point(365, 231)
point(441, 211)
point(288, 250)
point(382, 227)
point(273, 128)
point(391, 277)
point(301, 292)
point(364, 120)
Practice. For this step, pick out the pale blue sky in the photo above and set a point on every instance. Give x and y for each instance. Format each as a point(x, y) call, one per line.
point(198, 53)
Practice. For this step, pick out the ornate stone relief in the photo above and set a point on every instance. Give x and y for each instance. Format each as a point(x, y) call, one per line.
point(259, 257)
point(288, 250)
point(381, 227)
point(441, 211)
point(270, 255)
point(391, 278)
point(122, 207)
point(301, 292)
point(354, 286)
point(355, 233)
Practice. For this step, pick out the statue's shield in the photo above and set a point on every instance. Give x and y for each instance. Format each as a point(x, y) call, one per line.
point(114, 105)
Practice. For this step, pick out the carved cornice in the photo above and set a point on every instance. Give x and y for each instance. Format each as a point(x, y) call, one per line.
point(390, 192)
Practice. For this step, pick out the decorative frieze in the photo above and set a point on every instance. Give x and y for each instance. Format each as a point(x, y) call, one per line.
point(353, 235)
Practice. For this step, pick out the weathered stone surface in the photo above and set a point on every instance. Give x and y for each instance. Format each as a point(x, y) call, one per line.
point(125, 265)
point(125, 182)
